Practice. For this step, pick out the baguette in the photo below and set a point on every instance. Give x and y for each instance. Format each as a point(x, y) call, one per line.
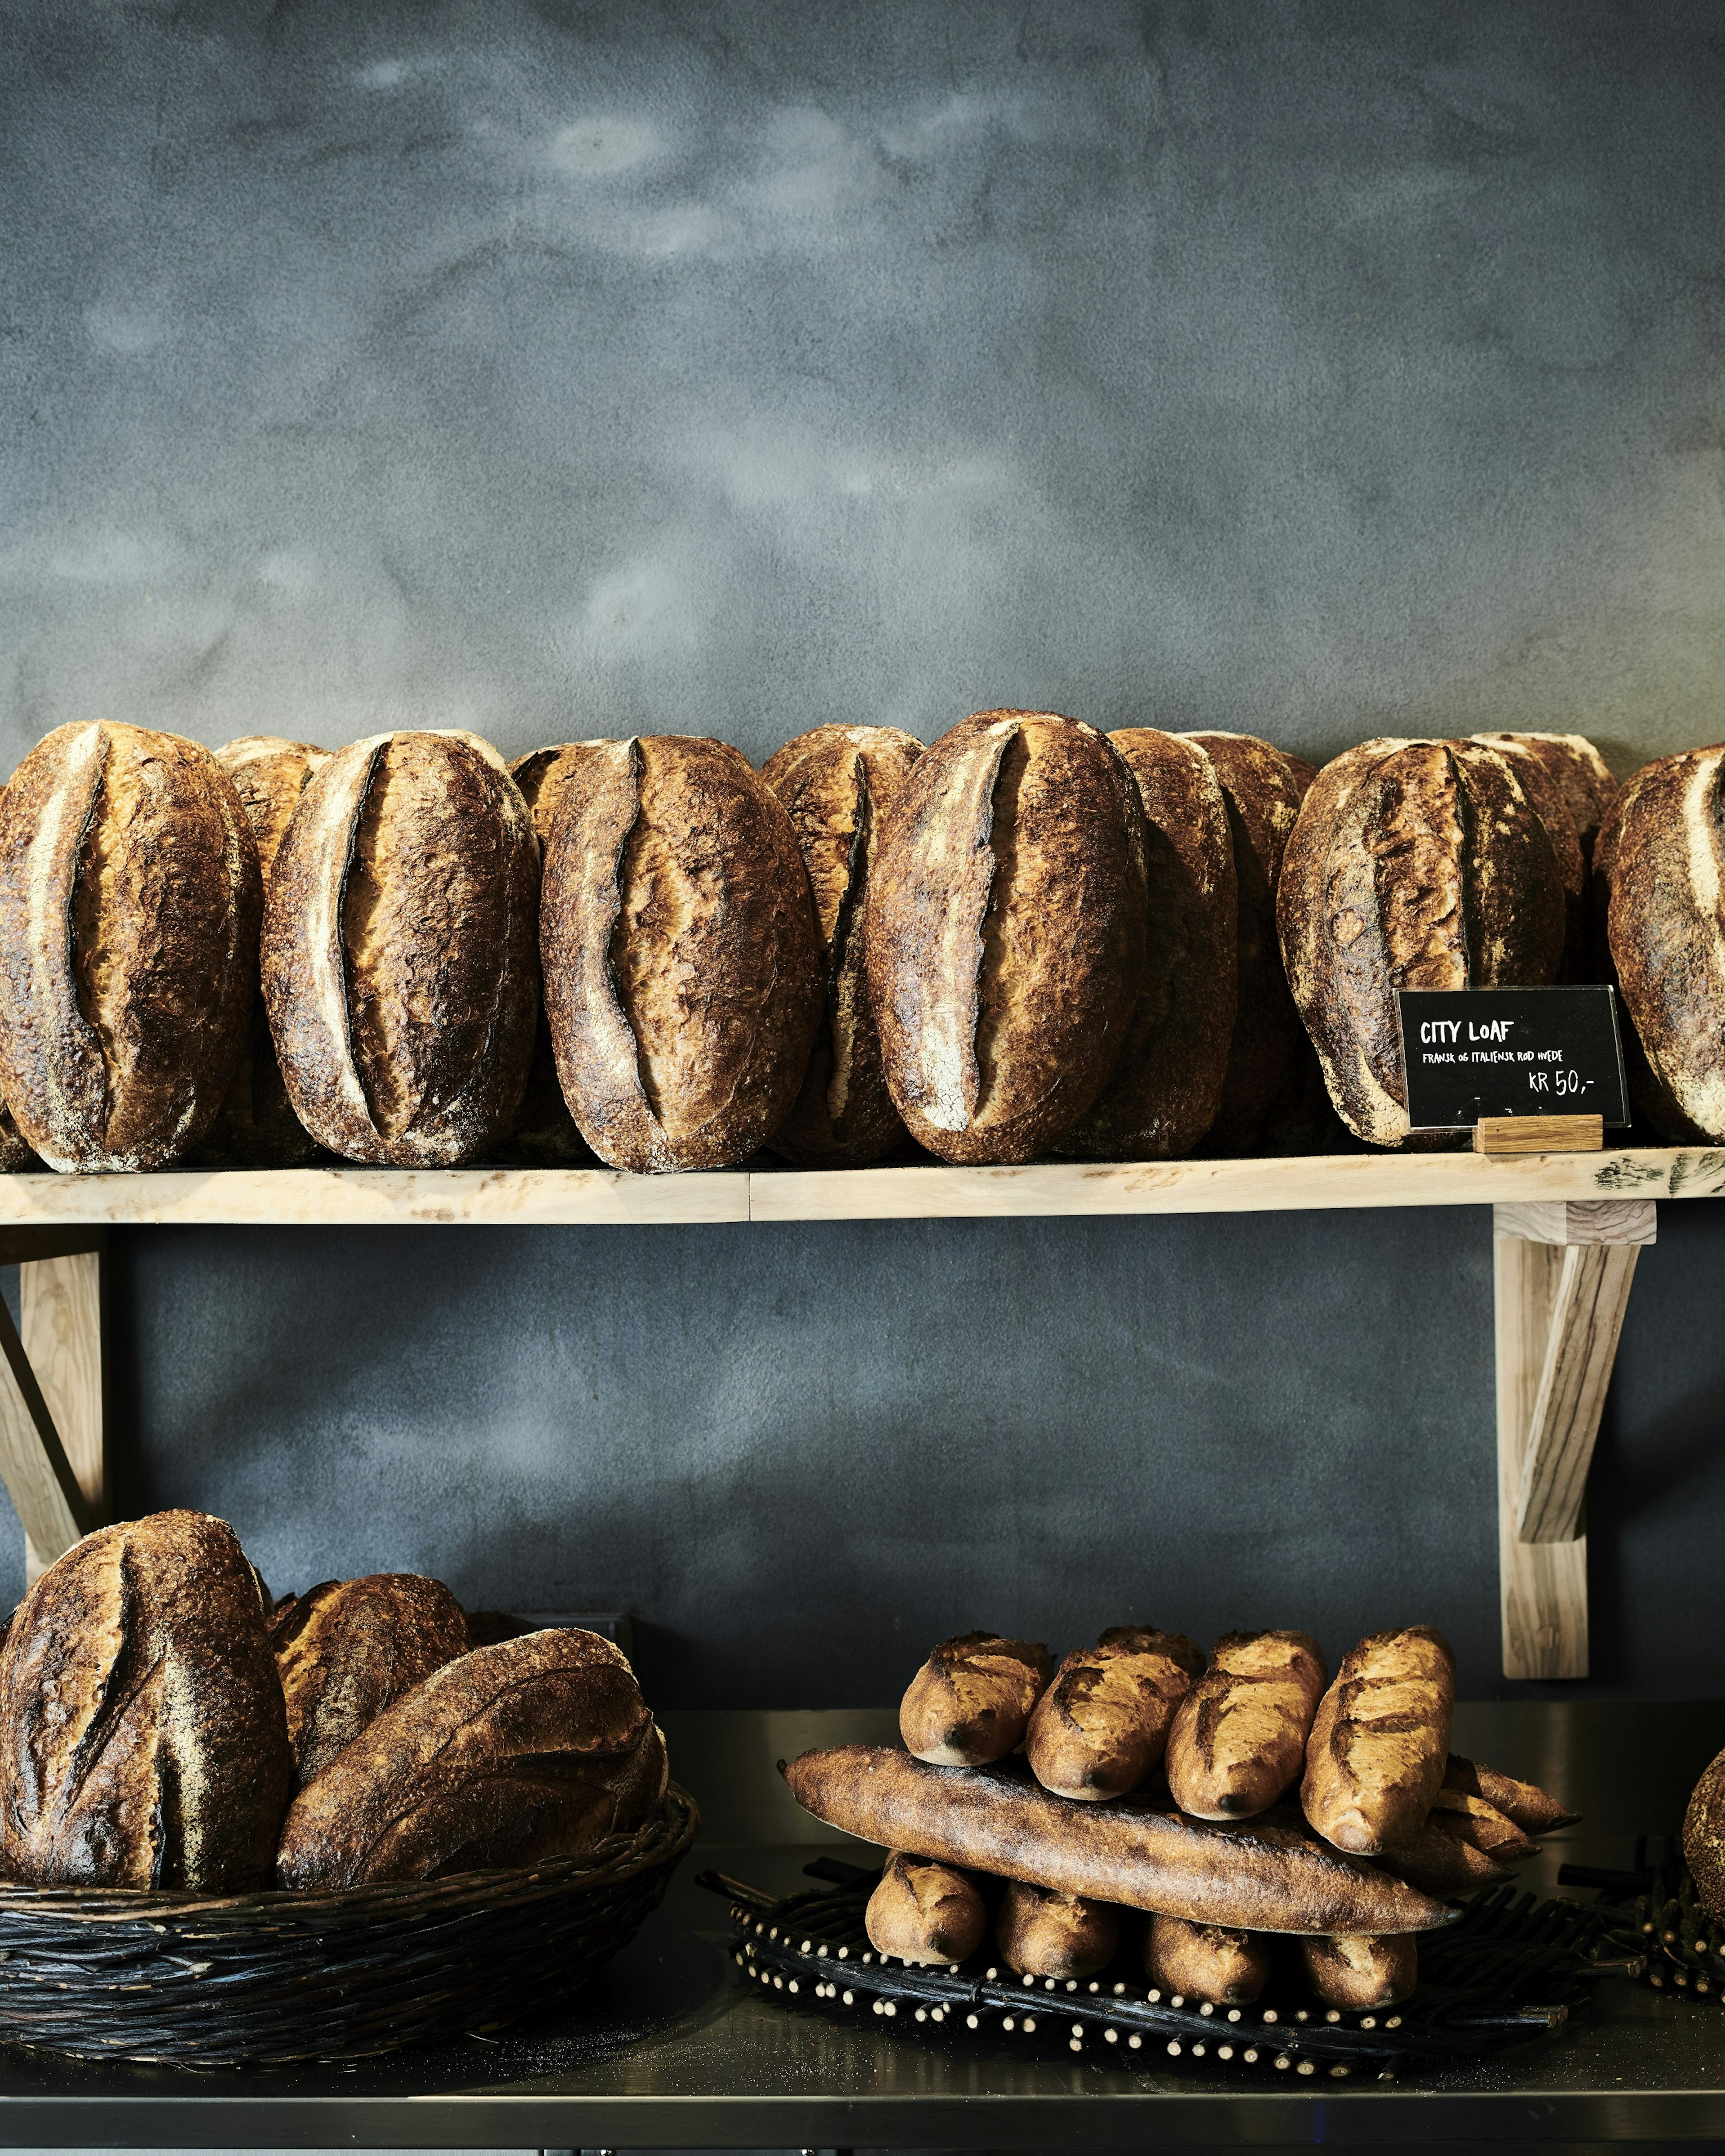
point(1102, 1725)
point(1206, 1962)
point(1380, 1741)
point(1363, 1972)
point(1267, 1876)
point(1043, 1933)
point(924, 1912)
point(970, 1701)
point(1482, 1826)
point(1534, 1811)
point(1239, 1740)
point(1440, 1861)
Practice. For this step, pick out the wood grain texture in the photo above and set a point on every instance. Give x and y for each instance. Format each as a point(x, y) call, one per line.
point(1580, 1220)
point(34, 1466)
point(1542, 1586)
point(1510, 1134)
point(62, 1333)
point(1592, 1294)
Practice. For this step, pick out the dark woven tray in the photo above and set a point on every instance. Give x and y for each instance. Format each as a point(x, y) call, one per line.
point(263, 1978)
point(1509, 1970)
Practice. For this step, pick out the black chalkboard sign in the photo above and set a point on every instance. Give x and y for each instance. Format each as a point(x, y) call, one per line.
point(1474, 1052)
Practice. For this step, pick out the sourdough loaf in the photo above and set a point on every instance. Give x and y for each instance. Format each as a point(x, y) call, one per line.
point(924, 1912)
point(129, 897)
point(536, 1748)
point(1581, 774)
point(1066, 1937)
point(837, 784)
point(970, 1701)
point(1380, 1741)
point(1539, 774)
point(1704, 1838)
point(1238, 1741)
point(1412, 864)
point(1102, 1724)
point(145, 1739)
point(349, 1648)
point(15, 1155)
point(1005, 933)
point(682, 964)
point(1361, 1973)
point(1206, 1962)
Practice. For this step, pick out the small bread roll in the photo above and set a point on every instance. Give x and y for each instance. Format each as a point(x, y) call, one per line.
point(1380, 1741)
point(1534, 1811)
point(1482, 1826)
point(1239, 1740)
point(1206, 1962)
point(924, 1912)
point(1043, 1933)
point(1359, 1973)
point(970, 1701)
point(1102, 1725)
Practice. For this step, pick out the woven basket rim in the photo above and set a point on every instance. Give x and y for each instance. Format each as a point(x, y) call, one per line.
point(661, 1838)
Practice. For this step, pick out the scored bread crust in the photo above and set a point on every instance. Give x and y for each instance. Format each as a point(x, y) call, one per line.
point(1412, 864)
point(924, 1912)
point(400, 954)
point(1165, 1088)
point(348, 1648)
point(1581, 774)
point(1380, 1740)
point(1043, 1933)
point(1439, 1859)
point(1238, 1743)
point(1363, 1972)
point(1540, 775)
point(1206, 1962)
point(129, 897)
point(1102, 1725)
point(1005, 932)
point(682, 963)
point(837, 784)
point(970, 1701)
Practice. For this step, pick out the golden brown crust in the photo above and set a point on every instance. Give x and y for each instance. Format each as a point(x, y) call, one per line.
point(1534, 1810)
point(1065, 1936)
point(1239, 1740)
point(1004, 935)
point(924, 1912)
point(349, 1648)
point(1264, 1877)
point(970, 1701)
point(1145, 1639)
point(1380, 1741)
point(1482, 1826)
point(1102, 1727)
point(837, 784)
point(543, 773)
point(537, 1747)
point(1412, 864)
point(1206, 1962)
point(1440, 1861)
point(682, 965)
point(400, 958)
point(1704, 1838)
point(146, 1740)
point(129, 896)
point(1362, 1973)
point(1167, 1087)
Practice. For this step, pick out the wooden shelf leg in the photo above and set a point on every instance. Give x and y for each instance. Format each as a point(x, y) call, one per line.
point(1562, 1273)
point(65, 1334)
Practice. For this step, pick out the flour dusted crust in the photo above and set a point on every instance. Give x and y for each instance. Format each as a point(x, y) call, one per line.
point(1412, 864)
point(349, 1648)
point(129, 896)
point(1102, 1725)
point(1541, 775)
point(924, 1912)
point(1380, 1741)
point(1167, 1087)
point(970, 1701)
point(400, 957)
point(682, 962)
point(16, 1156)
point(1704, 1838)
point(1580, 773)
point(145, 1741)
point(837, 784)
point(1206, 1962)
point(1238, 1743)
point(1005, 933)
point(1041, 1932)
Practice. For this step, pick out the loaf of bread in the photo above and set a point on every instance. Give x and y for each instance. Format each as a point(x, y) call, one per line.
point(1534, 1810)
point(1482, 1826)
point(1358, 1973)
point(970, 1701)
point(1102, 1725)
point(682, 964)
point(349, 1648)
point(256, 1126)
point(1581, 774)
point(1005, 933)
point(1238, 1741)
point(543, 773)
point(1167, 1087)
point(924, 1912)
point(145, 1739)
point(1268, 1876)
point(837, 784)
point(1411, 864)
point(539, 1747)
point(1206, 1962)
point(16, 1156)
point(1704, 1838)
point(1440, 1861)
point(400, 963)
point(129, 898)
point(1380, 1741)
point(1043, 1933)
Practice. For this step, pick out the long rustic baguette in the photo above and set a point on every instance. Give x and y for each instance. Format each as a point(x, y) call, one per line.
point(1263, 1877)
point(1534, 1811)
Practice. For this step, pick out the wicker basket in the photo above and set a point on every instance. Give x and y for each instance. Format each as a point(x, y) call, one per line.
point(266, 1978)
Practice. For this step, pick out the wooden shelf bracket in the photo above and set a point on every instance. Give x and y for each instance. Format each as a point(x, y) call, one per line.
point(53, 1427)
point(1563, 1272)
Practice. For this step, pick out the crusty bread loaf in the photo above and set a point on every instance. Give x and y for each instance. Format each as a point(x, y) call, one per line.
point(16, 1156)
point(535, 1748)
point(1206, 1962)
point(129, 897)
point(1267, 1876)
point(1380, 1741)
point(1144, 1639)
point(1482, 1826)
point(543, 773)
point(1362, 1973)
point(837, 784)
point(1167, 1087)
point(1238, 1743)
point(257, 1126)
point(1534, 1810)
point(1065, 1936)
point(1005, 933)
point(1102, 1725)
point(1411, 864)
point(924, 1912)
point(400, 964)
point(1581, 774)
point(1704, 1838)
point(349, 1648)
point(970, 1701)
point(1539, 780)
point(145, 1739)
point(1440, 1861)
point(682, 965)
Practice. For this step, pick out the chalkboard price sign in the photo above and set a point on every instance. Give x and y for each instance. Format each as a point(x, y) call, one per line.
point(1474, 1052)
